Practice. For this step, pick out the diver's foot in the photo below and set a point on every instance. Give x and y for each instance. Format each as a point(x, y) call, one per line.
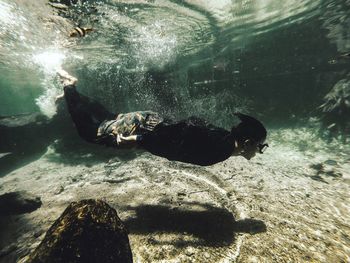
point(66, 79)
point(61, 96)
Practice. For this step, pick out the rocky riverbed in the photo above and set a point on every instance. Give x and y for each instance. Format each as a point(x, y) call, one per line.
point(290, 204)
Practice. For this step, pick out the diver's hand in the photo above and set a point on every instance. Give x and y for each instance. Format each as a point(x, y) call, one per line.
point(121, 139)
point(118, 139)
point(130, 138)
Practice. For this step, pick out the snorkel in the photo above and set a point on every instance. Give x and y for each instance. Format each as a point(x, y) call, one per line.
point(262, 147)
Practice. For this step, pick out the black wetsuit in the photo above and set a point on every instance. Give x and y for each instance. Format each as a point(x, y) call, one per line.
point(191, 140)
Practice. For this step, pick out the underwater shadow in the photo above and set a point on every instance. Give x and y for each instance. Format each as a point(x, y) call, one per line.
point(213, 226)
point(25, 138)
point(13, 161)
point(73, 151)
point(11, 228)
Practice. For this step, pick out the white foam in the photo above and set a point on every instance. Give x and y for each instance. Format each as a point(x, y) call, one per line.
point(46, 102)
point(49, 61)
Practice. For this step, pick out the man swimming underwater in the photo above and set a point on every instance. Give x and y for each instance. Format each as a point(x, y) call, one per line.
point(192, 140)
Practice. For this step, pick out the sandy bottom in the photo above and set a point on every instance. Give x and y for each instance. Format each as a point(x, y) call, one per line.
point(288, 205)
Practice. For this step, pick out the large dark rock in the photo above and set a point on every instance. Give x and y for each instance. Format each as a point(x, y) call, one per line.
point(87, 231)
point(18, 203)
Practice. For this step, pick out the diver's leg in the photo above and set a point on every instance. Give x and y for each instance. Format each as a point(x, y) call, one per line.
point(86, 113)
point(66, 80)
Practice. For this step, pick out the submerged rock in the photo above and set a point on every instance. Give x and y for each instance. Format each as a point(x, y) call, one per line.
point(59, 6)
point(87, 231)
point(22, 120)
point(336, 107)
point(20, 202)
point(64, 2)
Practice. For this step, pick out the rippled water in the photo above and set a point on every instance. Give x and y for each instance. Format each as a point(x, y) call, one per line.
point(176, 56)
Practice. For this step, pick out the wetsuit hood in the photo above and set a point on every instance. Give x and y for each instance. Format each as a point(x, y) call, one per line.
point(249, 128)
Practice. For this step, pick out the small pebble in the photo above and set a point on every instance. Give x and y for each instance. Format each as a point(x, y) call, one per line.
point(190, 251)
point(331, 162)
point(38, 233)
point(59, 190)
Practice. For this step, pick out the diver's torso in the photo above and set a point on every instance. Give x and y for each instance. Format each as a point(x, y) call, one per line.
point(132, 123)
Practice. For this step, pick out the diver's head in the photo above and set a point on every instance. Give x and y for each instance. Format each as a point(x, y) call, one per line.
point(249, 135)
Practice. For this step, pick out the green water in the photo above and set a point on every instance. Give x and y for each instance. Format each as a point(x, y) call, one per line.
point(276, 60)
